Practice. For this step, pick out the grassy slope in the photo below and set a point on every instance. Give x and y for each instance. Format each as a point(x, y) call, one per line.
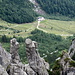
point(24, 29)
point(51, 26)
point(58, 27)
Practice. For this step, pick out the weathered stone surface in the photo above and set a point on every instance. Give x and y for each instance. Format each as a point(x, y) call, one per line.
point(14, 51)
point(72, 49)
point(16, 67)
point(5, 57)
point(2, 71)
point(10, 63)
point(64, 62)
point(36, 63)
point(28, 70)
point(66, 68)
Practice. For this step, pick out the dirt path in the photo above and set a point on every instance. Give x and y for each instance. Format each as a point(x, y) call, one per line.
point(40, 28)
point(56, 34)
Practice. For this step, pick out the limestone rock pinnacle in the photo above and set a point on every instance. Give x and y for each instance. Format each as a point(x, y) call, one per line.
point(35, 61)
point(14, 46)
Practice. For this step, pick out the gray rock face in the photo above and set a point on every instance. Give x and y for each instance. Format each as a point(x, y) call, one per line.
point(36, 63)
point(5, 57)
point(28, 70)
point(2, 71)
point(14, 46)
point(10, 63)
point(37, 8)
point(72, 49)
point(16, 67)
point(67, 69)
point(64, 62)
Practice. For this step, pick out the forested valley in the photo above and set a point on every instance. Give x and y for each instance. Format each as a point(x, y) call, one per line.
point(21, 11)
point(50, 46)
point(58, 7)
point(17, 11)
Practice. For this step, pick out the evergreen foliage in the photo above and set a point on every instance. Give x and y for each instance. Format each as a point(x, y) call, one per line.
point(58, 7)
point(73, 57)
point(47, 44)
point(72, 63)
point(55, 69)
point(17, 11)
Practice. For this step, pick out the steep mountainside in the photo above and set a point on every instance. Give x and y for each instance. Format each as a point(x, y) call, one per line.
point(37, 8)
point(24, 11)
point(17, 11)
point(63, 7)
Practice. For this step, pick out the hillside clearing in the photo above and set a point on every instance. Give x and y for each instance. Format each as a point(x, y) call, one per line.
point(63, 28)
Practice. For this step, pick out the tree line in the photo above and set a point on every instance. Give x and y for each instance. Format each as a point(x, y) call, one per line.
point(47, 43)
point(60, 7)
point(17, 11)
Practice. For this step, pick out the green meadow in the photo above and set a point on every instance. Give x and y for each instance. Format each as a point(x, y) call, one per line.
point(22, 30)
point(63, 28)
point(58, 27)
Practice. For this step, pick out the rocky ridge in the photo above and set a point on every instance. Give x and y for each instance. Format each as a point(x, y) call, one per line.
point(66, 61)
point(10, 63)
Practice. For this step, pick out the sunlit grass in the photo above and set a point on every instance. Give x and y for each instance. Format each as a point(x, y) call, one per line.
point(58, 27)
point(51, 26)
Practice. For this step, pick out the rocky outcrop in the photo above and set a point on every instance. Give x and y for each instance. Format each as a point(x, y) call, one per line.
point(29, 70)
point(66, 61)
point(14, 46)
point(2, 71)
point(5, 57)
point(36, 63)
point(10, 63)
point(72, 49)
point(67, 65)
point(37, 8)
point(16, 67)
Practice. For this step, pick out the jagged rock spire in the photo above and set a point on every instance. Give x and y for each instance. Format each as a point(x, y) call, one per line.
point(10, 63)
point(14, 46)
point(35, 61)
point(72, 49)
point(16, 67)
point(5, 57)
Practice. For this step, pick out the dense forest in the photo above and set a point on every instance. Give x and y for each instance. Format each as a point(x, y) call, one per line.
point(17, 11)
point(58, 7)
point(50, 46)
point(21, 11)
